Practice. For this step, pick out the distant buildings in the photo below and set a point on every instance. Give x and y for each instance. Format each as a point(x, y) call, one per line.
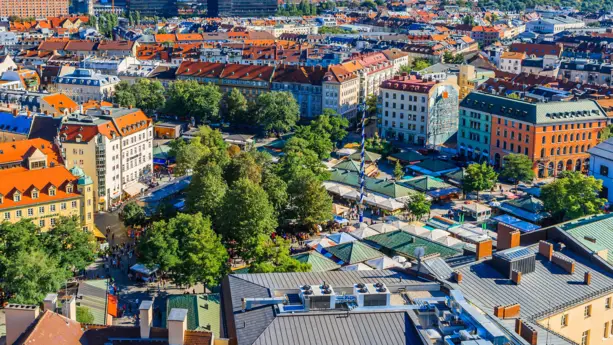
point(418, 111)
point(83, 85)
point(554, 25)
point(601, 167)
point(153, 7)
point(242, 8)
point(34, 8)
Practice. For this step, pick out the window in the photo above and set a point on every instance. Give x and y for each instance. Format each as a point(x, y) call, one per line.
point(587, 311)
point(605, 334)
point(51, 191)
point(30, 212)
point(74, 204)
point(52, 221)
point(18, 214)
point(41, 223)
point(41, 209)
point(7, 215)
point(585, 338)
point(607, 303)
point(604, 171)
point(51, 208)
point(34, 194)
point(63, 206)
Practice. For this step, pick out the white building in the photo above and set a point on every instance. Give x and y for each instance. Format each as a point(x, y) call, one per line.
point(601, 167)
point(419, 112)
point(554, 25)
point(83, 85)
point(114, 146)
point(340, 91)
point(511, 62)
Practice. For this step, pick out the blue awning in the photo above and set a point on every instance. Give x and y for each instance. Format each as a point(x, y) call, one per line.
point(521, 225)
point(340, 220)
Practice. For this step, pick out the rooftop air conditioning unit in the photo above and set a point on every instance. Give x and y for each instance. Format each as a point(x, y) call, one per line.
point(317, 296)
point(371, 295)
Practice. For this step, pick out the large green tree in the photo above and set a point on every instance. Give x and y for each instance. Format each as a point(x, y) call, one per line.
point(297, 157)
point(187, 248)
point(518, 168)
point(236, 107)
point(274, 256)
point(243, 165)
point(277, 111)
point(207, 189)
point(479, 177)
point(418, 205)
point(572, 195)
point(146, 94)
point(133, 214)
point(192, 99)
point(74, 248)
point(276, 189)
point(310, 203)
point(244, 215)
point(186, 154)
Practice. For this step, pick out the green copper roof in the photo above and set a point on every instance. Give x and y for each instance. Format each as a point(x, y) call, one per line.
point(349, 165)
point(389, 188)
point(368, 156)
point(203, 311)
point(457, 176)
point(319, 263)
point(530, 204)
point(354, 252)
point(409, 156)
point(76, 171)
point(426, 183)
point(400, 242)
point(595, 232)
point(435, 165)
point(538, 113)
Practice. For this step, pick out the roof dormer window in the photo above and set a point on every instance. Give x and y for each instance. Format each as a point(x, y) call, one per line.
point(34, 193)
point(52, 191)
point(69, 188)
point(17, 196)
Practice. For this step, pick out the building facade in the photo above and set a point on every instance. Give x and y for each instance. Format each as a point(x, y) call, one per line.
point(341, 91)
point(34, 8)
point(83, 85)
point(417, 111)
point(601, 167)
point(35, 185)
point(114, 146)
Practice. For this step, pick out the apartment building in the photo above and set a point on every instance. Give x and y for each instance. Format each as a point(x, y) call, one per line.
point(34, 184)
point(304, 83)
point(511, 62)
point(584, 71)
point(556, 136)
point(114, 146)
point(418, 111)
point(341, 91)
point(554, 25)
point(34, 8)
point(83, 85)
point(372, 70)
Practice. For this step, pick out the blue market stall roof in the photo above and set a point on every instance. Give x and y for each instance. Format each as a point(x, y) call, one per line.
point(527, 208)
point(522, 225)
point(19, 124)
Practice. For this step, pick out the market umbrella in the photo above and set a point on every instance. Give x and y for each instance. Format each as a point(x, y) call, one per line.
point(383, 227)
point(416, 230)
point(449, 241)
point(341, 237)
point(363, 233)
point(382, 263)
point(339, 209)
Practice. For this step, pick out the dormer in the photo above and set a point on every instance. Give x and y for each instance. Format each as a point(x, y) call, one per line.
point(52, 190)
point(37, 160)
point(34, 193)
point(17, 196)
point(1, 198)
point(69, 187)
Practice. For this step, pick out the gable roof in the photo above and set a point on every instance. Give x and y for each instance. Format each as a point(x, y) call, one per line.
point(20, 150)
point(403, 243)
point(354, 252)
point(319, 263)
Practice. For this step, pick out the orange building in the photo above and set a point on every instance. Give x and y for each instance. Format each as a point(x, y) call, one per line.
point(555, 135)
point(33, 8)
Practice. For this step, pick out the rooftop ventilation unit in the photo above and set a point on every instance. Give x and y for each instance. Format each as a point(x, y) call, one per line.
point(371, 295)
point(519, 259)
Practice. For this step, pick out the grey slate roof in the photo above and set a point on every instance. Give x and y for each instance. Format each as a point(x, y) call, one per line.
point(252, 326)
point(357, 329)
point(538, 113)
point(546, 288)
point(604, 149)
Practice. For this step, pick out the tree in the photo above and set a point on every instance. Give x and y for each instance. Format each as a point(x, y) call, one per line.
point(133, 214)
point(517, 168)
point(318, 142)
point(236, 107)
point(421, 64)
point(277, 111)
point(332, 123)
point(418, 205)
point(206, 189)
point(298, 157)
point(274, 256)
point(243, 165)
point(398, 171)
point(371, 104)
point(191, 99)
point(31, 274)
point(369, 5)
point(244, 215)
point(74, 248)
point(310, 203)
point(605, 133)
point(146, 94)
point(469, 20)
point(84, 315)
point(479, 177)
point(276, 189)
point(572, 195)
point(186, 154)
point(137, 17)
point(187, 248)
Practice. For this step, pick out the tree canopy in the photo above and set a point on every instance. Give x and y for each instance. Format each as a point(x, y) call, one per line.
point(187, 248)
point(273, 256)
point(418, 205)
point(479, 177)
point(146, 94)
point(277, 111)
point(192, 99)
point(518, 168)
point(572, 195)
point(236, 107)
point(133, 214)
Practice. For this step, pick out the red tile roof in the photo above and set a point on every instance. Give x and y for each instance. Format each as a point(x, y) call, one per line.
point(408, 83)
point(20, 150)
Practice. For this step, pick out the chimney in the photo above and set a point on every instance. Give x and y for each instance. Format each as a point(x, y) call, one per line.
point(564, 262)
point(587, 278)
point(18, 318)
point(499, 311)
point(484, 249)
point(516, 277)
point(457, 277)
point(50, 302)
point(146, 318)
point(508, 237)
point(546, 249)
point(69, 309)
point(177, 324)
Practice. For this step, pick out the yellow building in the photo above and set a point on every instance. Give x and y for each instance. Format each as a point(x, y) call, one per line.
point(35, 185)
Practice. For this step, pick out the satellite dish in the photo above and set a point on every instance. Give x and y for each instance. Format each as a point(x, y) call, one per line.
point(419, 252)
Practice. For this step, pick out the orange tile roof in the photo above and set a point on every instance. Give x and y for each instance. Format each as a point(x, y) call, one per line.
point(132, 122)
point(513, 55)
point(20, 150)
point(59, 102)
point(24, 181)
point(94, 104)
point(161, 38)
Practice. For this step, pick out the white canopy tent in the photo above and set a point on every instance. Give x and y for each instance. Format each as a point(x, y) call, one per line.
point(362, 233)
point(382, 263)
point(383, 227)
point(416, 230)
